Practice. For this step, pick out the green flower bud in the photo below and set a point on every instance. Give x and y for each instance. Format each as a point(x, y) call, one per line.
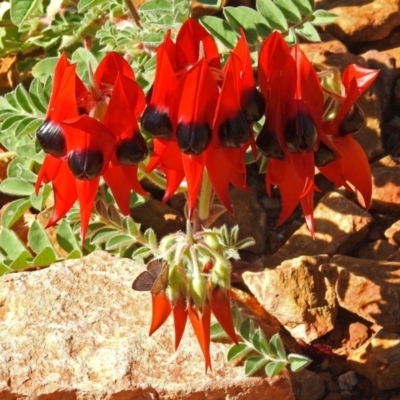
point(212, 241)
point(221, 274)
point(198, 291)
point(176, 282)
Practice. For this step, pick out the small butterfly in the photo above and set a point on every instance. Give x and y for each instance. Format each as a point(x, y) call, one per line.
point(155, 278)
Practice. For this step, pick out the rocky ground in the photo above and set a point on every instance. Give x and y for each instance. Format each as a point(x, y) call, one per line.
point(336, 297)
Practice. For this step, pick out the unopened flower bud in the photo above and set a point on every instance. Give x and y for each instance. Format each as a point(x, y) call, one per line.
point(221, 274)
point(176, 283)
point(212, 241)
point(198, 290)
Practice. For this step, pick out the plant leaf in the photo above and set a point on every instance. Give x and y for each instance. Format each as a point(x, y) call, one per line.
point(289, 10)
point(238, 352)
point(306, 7)
point(274, 368)
point(298, 361)
point(272, 14)
point(119, 241)
point(308, 31)
point(221, 30)
point(38, 239)
point(10, 245)
point(13, 212)
point(16, 187)
point(254, 364)
point(21, 10)
point(46, 257)
point(276, 347)
point(322, 17)
point(67, 240)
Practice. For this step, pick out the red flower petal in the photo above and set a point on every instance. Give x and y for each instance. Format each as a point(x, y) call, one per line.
point(295, 178)
point(168, 157)
point(201, 321)
point(162, 308)
point(121, 180)
point(65, 193)
point(352, 167)
point(180, 317)
point(190, 38)
point(221, 308)
point(87, 190)
point(109, 67)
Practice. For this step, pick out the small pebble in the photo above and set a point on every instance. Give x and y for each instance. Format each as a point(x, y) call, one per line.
point(347, 381)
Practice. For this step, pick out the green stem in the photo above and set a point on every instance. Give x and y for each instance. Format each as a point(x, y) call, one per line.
point(205, 197)
point(189, 232)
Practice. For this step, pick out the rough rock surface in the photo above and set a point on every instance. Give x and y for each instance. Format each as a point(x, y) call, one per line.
point(298, 295)
point(78, 331)
point(368, 288)
point(379, 359)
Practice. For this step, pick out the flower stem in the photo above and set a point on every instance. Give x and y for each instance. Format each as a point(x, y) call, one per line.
point(205, 197)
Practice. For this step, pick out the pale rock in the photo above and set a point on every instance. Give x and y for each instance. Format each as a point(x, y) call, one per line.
point(379, 360)
point(308, 385)
point(348, 380)
point(340, 225)
point(362, 21)
point(297, 294)
point(368, 288)
point(77, 331)
point(386, 185)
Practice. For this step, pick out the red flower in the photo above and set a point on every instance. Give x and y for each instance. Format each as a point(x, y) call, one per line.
point(199, 316)
point(200, 115)
point(173, 291)
point(292, 132)
point(90, 133)
point(351, 168)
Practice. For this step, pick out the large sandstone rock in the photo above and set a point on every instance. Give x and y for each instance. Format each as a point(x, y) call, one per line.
point(77, 331)
point(298, 295)
point(368, 288)
point(360, 21)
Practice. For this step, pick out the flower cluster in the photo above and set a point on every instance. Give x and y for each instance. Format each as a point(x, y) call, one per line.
point(92, 132)
point(297, 138)
point(200, 114)
point(192, 286)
